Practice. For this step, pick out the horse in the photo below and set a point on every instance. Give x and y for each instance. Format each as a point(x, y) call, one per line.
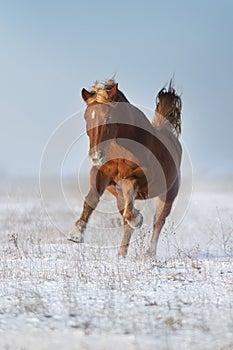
point(132, 158)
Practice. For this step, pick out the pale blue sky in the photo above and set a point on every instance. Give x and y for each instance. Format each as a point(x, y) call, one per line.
point(51, 49)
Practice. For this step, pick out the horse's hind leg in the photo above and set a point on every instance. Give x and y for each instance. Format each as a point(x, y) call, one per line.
point(128, 230)
point(125, 240)
point(98, 183)
point(163, 209)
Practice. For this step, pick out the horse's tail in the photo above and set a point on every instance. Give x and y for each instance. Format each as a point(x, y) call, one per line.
point(168, 106)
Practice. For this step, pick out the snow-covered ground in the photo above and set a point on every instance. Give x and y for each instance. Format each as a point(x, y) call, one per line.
point(58, 295)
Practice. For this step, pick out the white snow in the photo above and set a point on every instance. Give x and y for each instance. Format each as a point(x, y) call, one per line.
point(58, 295)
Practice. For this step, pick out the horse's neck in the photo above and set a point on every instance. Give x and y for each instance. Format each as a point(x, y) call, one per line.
point(121, 97)
point(127, 113)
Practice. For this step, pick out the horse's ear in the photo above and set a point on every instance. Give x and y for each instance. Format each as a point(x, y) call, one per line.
point(86, 94)
point(113, 91)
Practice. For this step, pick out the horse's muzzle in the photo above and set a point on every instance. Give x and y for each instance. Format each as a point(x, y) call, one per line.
point(97, 157)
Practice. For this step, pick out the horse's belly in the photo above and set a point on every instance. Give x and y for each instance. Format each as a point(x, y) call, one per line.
point(149, 182)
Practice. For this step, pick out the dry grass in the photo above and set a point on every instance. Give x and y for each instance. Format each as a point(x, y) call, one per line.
point(182, 300)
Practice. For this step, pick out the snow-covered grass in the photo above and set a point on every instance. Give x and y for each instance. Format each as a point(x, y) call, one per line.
point(55, 294)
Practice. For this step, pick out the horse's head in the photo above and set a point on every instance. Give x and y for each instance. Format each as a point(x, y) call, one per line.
point(99, 119)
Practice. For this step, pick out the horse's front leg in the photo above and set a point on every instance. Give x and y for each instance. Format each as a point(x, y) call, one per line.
point(128, 230)
point(98, 184)
point(132, 216)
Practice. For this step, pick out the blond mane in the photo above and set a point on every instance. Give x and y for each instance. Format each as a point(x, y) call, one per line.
point(100, 91)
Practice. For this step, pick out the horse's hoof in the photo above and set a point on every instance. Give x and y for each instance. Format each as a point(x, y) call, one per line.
point(76, 235)
point(122, 254)
point(136, 222)
point(75, 238)
point(151, 252)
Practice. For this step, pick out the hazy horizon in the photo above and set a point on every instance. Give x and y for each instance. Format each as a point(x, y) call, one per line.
point(49, 51)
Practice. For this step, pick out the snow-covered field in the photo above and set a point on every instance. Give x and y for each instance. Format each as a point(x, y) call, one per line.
point(57, 295)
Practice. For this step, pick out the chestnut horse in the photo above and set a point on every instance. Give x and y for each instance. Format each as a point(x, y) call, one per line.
point(131, 157)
